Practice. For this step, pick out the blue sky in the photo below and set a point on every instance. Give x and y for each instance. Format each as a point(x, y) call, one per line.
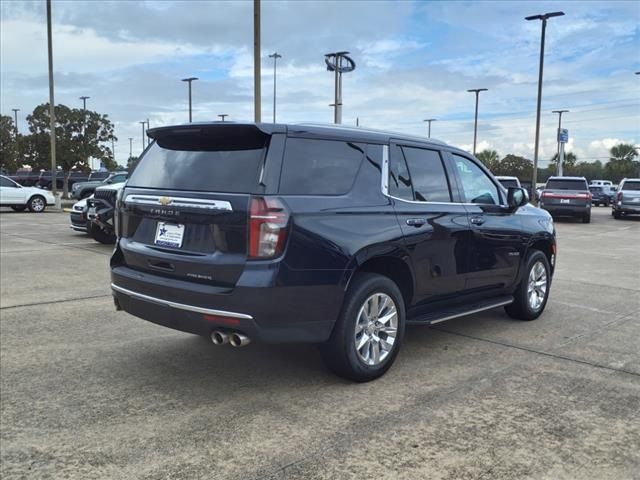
point(415, 60)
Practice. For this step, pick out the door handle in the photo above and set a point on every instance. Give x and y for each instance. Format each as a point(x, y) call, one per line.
point(416, 222)
point(477, 220)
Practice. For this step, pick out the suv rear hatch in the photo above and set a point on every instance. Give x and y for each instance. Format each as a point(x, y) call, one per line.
point(566, 192)
point(184, 211)
point(630, 193)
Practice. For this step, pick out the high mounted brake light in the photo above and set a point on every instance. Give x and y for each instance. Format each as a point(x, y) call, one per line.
point(268, 221)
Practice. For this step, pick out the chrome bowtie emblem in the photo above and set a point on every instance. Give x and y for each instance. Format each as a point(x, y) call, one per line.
point(165, 200)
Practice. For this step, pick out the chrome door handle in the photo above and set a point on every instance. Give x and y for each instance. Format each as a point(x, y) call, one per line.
point(416, 222)
point(477, 220)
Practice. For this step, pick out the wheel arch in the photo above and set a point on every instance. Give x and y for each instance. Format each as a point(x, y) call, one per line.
point(546, 245)
point(393, 266)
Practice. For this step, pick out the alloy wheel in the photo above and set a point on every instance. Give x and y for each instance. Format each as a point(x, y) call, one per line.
point(537, 285)
point(376, 329)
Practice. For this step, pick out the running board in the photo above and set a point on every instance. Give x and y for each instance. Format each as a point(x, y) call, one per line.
point(461, 311)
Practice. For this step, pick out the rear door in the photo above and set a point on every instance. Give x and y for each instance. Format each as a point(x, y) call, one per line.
point(435, 229)
point(184, 210)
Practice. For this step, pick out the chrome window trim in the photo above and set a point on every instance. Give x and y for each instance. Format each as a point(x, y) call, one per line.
point(136, 199)
point(180, 306)
point(385, 186)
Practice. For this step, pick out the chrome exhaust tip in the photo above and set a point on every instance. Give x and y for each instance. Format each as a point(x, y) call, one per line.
point(219, 338)
point(239, 340)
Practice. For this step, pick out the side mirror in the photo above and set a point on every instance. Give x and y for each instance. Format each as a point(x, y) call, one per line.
point(109, 181)
point(517, 197)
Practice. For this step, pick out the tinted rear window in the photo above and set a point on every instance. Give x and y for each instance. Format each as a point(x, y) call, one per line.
point(212, 160)
point(564, 184)
point(595, 189)
point(319, 167)
point(508, 183)
point(631, 186)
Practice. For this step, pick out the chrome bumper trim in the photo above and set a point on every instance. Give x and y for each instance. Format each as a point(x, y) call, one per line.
point(180, 306)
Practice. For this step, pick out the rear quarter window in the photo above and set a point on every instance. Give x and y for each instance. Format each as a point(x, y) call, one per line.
point(319, 167)
point(635, 186)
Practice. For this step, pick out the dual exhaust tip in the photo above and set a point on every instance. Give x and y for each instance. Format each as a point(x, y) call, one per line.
point(235, 339)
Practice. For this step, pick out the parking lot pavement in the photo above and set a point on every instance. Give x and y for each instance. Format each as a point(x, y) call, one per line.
point(88, 392)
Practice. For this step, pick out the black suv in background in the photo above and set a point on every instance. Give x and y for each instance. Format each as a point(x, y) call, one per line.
point(567, 197)
point(322, 234)
point(627, 199)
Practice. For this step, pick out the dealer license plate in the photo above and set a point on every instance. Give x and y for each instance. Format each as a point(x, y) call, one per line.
point(169, 234)
point(565, 200)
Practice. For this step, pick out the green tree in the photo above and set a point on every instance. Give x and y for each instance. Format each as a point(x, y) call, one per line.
point(490, 159)
point(622, 162)
point(569, 167)
point(80, 136)
point(515, 166)
point(8, 144)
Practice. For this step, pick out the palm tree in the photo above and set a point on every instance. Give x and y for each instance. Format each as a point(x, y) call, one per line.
point(490, 159)
point(623, 151)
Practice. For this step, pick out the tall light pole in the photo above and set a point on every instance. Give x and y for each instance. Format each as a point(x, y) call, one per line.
point(475, 123)
point(15, 116)
point(544, 19)
point(143, 123)
point(223, 116)
point(338, 63)
point(257, 94)
point(275, 56)
point(130, 147)
point(189, 80)
point(148, 137)
point(52, 110)
point(84, 127)
point(429, 120)
point(113, 148)
point(559, 112)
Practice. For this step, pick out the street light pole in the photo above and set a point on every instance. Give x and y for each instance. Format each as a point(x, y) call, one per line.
point(189, 80)
point(559, 112)
point(275, 56)
point(338, 63)
point(15, 116)
point(223, 116)
point(143, 123)
point(148, 137)
point(84, 127)
point(52, 110)
point(429, 120)
point(130, 147)
point(544, 19)
point(475, 123)
point(257, 78)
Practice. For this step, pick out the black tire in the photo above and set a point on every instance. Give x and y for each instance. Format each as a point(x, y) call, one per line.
point(37, 204)
point(101, 236)
point(616, 214)
point(521, 309)
point(339, 352)
point(18, 208)
point(587, 218)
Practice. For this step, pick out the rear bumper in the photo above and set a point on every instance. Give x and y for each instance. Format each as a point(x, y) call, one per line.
point(78, 221)
point(257, 306)
point(628, 209)
point(567, 210)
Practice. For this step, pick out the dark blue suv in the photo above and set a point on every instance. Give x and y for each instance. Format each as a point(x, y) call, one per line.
point(322, 234)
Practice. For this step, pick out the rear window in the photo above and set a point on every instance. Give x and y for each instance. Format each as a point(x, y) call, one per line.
point(319, 167)
point(595, 189)
point(564, 184)
point(508, 183)
point(217, 159)
point(635, 186)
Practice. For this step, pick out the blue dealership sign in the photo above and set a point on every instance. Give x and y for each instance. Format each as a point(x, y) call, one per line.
point(563, 135)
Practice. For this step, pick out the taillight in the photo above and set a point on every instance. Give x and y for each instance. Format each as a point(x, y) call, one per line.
point(268, 220)
point(619, 197)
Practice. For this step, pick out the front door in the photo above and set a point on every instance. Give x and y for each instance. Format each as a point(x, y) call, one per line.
point(496, 245)
point(10, 192)
point(434, 229)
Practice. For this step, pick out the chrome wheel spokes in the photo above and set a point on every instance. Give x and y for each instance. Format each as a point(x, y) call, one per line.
point(537, 285)
point(376, 329)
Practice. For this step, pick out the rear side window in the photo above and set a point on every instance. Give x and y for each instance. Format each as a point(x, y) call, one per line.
point(565, 184)
point(319, 167)
point(211, 160)
point(635, 186)
point(427, 175)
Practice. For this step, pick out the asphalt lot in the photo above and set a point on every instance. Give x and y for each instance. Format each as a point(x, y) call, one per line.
point(88, 392)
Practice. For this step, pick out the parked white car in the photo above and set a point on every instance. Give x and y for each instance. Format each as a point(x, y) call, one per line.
point(601, 183)
point(16, 196)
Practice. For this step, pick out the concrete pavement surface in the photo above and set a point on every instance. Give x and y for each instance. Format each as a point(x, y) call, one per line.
point(87, 392)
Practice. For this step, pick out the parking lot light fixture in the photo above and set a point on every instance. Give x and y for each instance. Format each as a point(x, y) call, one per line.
point(429, 120)
point(223, 116)
point(143, 123)
point(544, 19)
point(15, 116)
point(188, 80)
point(475, 122)
point(275, 56)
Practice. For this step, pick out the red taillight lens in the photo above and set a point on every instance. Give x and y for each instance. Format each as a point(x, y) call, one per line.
point(619, 197)
point(268, 221)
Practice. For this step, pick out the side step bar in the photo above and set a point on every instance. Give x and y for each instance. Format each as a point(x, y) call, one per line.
point(455, 312)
